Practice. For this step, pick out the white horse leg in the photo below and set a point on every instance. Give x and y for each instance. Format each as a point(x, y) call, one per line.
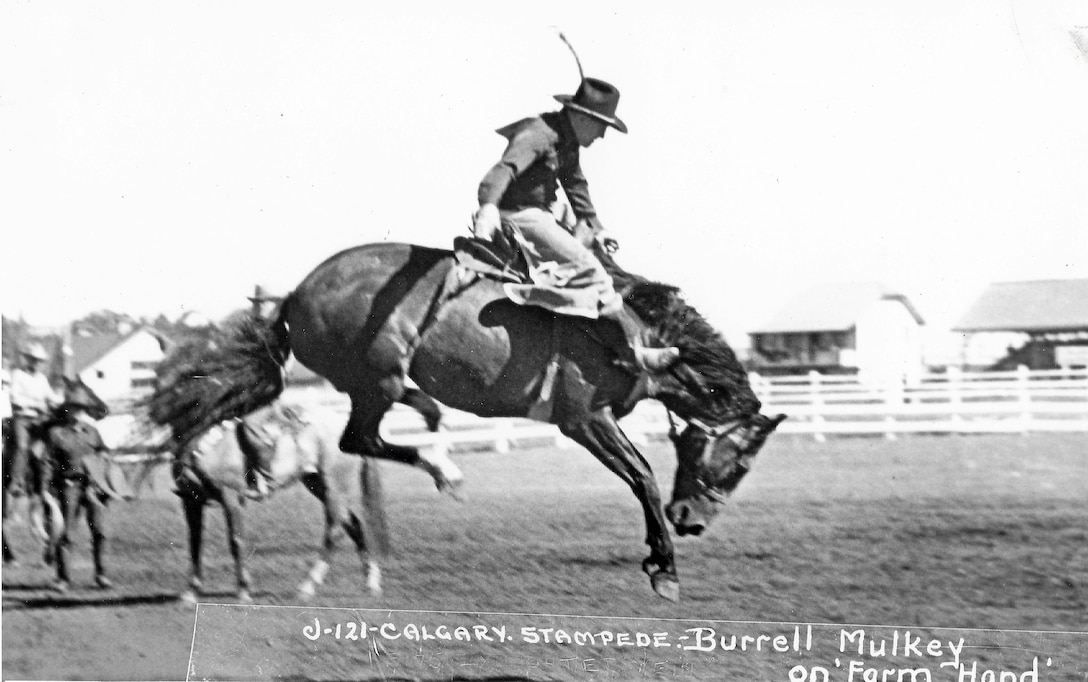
point(232, 512)
point(373, 578)
point(317, 574)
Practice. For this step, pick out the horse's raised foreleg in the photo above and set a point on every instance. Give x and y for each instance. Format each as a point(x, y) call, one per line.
point(602, 436)
point(232, 514)
point(194, 520)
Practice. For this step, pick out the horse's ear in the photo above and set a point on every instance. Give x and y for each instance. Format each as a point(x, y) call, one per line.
point(765, 425)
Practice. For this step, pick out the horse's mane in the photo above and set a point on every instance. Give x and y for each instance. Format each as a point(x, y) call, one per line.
point(676, 323)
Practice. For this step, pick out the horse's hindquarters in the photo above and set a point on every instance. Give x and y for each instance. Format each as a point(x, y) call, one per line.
point(354, 318)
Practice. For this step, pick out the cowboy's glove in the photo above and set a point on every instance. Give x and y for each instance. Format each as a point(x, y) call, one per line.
point(607, 242)
point(486, 222)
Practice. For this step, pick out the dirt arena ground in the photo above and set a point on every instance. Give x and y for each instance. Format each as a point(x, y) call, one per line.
point(973, 532)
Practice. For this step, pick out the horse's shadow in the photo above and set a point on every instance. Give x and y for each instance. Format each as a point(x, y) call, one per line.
point(91, 597)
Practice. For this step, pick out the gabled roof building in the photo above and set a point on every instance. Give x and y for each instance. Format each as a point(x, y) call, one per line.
point(850, 328)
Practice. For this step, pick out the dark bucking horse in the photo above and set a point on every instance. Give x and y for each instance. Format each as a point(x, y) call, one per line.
point(370, 317)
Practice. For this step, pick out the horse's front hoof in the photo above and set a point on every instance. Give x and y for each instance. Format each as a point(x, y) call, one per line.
point(103, 582)
point(666, 586)
point(244, 597)
point(187, 598)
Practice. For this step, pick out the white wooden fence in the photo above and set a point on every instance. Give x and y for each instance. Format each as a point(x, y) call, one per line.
point(1021, 401)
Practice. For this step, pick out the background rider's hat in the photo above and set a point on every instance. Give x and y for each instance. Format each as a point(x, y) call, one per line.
point(598, 99)
point(36, 351)
point(262, 294)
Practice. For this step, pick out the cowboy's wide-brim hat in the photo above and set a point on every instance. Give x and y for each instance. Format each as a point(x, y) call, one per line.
point(597, 99)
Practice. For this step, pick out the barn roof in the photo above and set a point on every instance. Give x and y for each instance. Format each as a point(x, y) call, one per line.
point(832, 307)
point(87, 350)
point(1043, 305)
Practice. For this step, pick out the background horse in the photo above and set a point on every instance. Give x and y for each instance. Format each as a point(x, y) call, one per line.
point(301, 448)
point(213, 462)
point(39, 499)
point(370, 317)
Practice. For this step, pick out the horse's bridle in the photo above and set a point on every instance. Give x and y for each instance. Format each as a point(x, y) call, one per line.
point(730, 429)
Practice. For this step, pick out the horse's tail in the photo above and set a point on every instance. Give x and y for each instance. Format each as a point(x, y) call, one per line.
point(238, 370)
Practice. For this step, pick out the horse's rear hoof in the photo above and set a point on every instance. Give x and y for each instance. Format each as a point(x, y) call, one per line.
point(244, 597)
point(187, 598)
point(666, 586)
point(306, 591)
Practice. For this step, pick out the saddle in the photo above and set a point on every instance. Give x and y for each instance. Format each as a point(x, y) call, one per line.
point(501, 259)
point(258, 435)
point(562, 288)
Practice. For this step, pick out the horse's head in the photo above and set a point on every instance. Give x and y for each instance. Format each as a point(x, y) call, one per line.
point(79, 394)
point(709, 389)
point(711, 462)
point(714, 451)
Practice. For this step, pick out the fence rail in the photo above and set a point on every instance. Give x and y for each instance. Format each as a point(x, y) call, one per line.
point(1020, 401)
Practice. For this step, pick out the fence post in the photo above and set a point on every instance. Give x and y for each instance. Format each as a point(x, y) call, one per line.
point(758, 385)
point(955, 380)
point(502, 439)
point(1023, 391)
point(817, 405)
point(893, 398)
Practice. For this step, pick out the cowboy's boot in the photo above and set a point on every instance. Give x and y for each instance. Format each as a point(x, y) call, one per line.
point(647, 359)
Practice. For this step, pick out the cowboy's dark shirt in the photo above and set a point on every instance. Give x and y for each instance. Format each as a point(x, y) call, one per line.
point(70, 444)
point(541, 155)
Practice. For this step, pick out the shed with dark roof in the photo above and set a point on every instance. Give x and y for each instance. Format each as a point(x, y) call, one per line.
point(1052, 313)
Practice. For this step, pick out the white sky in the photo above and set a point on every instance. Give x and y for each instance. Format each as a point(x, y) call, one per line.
point(166, 156)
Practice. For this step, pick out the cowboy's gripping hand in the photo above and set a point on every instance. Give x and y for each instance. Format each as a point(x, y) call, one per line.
point(607, 241)
point(486, 222)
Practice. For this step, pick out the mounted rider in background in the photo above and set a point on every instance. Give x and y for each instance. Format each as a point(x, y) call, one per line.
point(32, 399)
point(520, 192)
